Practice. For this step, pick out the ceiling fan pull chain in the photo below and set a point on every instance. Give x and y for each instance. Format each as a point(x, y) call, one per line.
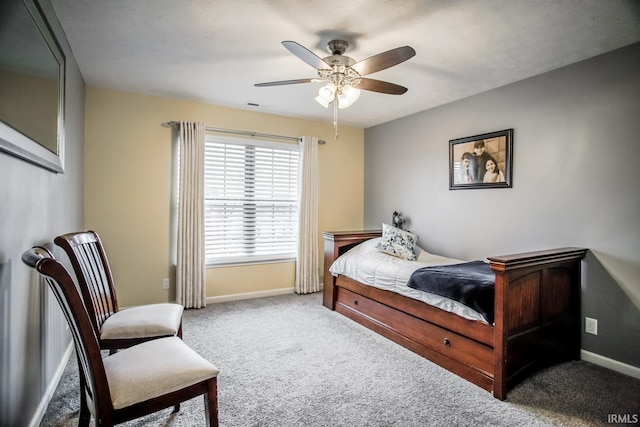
point(335, 115)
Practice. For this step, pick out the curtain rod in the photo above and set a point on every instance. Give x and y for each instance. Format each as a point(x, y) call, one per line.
point(242, 132)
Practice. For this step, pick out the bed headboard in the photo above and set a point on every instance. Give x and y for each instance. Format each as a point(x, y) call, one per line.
point(335, 244)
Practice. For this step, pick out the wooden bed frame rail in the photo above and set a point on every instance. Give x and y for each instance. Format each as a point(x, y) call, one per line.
point(537, 315)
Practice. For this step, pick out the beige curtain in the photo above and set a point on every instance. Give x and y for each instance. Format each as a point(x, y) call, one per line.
point(190, 265)
point(308, 257)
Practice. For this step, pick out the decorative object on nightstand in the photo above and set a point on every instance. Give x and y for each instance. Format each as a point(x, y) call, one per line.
point(397, 220)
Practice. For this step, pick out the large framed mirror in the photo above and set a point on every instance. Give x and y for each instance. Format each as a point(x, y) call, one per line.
point(32, 79)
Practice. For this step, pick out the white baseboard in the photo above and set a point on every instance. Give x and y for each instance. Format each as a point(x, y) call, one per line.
point(614, 365)
point(51, 388)
point(250, 295)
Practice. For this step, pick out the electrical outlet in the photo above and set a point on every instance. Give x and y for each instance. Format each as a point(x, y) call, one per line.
point(165, 284)
point(591, 325)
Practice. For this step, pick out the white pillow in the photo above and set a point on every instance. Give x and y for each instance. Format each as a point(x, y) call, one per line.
point(398, 242)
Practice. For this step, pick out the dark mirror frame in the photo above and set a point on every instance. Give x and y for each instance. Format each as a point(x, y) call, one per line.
point(498, 146)
point(15, 142)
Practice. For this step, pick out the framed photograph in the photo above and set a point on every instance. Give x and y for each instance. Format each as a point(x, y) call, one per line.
point(481, 161)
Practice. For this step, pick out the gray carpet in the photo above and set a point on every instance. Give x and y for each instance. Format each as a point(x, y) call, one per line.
point(288, 361)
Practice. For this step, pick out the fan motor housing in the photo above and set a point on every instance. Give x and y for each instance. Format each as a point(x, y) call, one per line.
point(339, 60)
point(337, 48)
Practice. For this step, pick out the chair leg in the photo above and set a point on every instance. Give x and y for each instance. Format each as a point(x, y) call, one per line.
point(85, 415)
point(179, 335)
point(211, 402)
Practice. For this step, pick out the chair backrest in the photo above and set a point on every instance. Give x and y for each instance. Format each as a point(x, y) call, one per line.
point(89, 261)
point(93, 378)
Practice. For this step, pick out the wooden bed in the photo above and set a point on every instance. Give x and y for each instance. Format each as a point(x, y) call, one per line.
point(537, 315)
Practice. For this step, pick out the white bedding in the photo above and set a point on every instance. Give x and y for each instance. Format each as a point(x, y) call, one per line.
point(368, 265)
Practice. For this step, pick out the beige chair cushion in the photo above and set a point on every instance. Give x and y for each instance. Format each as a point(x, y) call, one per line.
point(152, 369)
point(151, 320)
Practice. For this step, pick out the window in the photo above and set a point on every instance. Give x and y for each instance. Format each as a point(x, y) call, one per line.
point(251, 200)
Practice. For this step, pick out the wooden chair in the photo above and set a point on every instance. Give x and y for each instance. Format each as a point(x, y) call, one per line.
point(134, 382)
point(115, 328)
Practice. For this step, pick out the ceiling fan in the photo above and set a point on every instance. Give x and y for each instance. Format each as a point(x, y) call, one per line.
point(344, 76)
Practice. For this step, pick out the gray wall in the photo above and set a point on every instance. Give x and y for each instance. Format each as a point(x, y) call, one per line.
point(576, 173)
point(35, 206)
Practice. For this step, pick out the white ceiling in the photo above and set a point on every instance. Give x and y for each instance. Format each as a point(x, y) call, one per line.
point(214, 51)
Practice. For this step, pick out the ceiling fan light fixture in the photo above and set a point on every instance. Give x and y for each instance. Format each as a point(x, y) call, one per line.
point(347, 96)
point(326, 95)
point(322, 101)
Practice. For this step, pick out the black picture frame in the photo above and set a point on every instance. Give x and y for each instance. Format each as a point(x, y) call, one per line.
point(468, 158)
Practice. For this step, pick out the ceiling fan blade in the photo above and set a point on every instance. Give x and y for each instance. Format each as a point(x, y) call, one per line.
point(383, 60)
point(382, 87)
point(284, 82)
point(306, 55)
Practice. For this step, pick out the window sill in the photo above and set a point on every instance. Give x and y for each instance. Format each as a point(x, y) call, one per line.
point(248, 262)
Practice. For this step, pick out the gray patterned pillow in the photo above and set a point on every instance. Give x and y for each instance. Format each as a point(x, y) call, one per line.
point(398, 242)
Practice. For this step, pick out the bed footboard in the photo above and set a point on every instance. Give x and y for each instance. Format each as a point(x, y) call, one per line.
point(537, 315)
point(537, 309)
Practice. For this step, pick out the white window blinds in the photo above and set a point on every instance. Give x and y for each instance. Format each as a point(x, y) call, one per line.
point(251, 200)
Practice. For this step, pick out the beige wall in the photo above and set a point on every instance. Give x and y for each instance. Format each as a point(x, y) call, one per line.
point(128, 187)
